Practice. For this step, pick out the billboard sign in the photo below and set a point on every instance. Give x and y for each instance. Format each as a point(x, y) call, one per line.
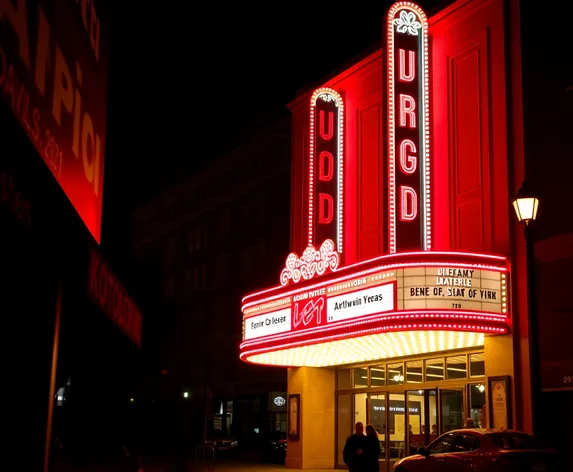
point(53, 77)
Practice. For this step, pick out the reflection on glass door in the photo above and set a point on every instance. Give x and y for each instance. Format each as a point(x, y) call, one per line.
point(452, 409)
point(422, 419)
point(396, 428)
point(416, 421)
point(377, 417)
point(387, 413)
point(476, 399)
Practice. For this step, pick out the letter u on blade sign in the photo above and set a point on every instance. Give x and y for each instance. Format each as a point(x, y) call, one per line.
point(409, 208)
point(326, 159)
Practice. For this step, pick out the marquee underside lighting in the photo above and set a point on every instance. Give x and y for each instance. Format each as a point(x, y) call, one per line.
point(367, 348)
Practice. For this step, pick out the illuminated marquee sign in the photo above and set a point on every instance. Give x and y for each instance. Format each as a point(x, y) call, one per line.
point(416, 288)
point(394, 305)
point(325, 208)
point(408, 129)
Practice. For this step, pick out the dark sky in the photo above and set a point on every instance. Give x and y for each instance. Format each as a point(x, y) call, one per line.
point(186, 78)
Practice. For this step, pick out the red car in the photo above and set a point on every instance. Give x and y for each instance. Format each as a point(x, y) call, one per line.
point(481, 450)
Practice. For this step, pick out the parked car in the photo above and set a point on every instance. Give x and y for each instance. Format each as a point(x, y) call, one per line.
point(481, 450)
point(223, 445)
point(274, 447)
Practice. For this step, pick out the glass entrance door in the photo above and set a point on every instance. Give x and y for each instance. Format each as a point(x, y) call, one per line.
point(387, 413)
point(422, 418)
point(377, 417)
point(404, 421)
point(451, 409)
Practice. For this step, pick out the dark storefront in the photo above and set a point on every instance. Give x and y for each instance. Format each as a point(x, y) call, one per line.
point(43, 242)
point(52, 145)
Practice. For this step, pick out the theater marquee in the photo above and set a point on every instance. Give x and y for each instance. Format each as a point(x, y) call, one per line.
point(411, 301)
point(429, 298)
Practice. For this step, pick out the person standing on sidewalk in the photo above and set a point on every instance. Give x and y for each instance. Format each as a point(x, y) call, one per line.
point(353, 452)
point(372, 451)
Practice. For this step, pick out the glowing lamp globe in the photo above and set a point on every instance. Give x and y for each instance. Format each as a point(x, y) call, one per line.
point(525, 205)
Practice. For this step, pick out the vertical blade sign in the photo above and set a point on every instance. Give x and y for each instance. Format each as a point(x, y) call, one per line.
point(408, 129)
point(325, 209)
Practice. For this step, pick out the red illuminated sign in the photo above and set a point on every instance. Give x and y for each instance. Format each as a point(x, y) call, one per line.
point(107, 292)
point(326, 168)
point(408, 133)
point(53, 76)
point(309, 312)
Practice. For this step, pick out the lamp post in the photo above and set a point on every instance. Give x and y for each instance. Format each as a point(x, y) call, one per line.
point(525, 205)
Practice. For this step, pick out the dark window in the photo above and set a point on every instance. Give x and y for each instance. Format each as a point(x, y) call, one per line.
point(442, 445)
point(465, 443)
point(513, 441)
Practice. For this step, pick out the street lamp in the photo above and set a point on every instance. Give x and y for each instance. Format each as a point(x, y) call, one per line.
point(525, 205)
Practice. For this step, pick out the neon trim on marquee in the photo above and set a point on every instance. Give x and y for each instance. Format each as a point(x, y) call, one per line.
point(417, 296)
point(408, 129)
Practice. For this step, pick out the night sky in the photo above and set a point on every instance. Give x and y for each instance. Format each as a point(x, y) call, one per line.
point(185, 80)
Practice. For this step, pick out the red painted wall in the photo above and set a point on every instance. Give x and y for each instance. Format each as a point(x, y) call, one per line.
point(364, 198)
point(470, 129)
point(469, 140)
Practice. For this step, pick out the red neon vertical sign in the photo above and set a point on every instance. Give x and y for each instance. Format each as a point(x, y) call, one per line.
point(325, 208)
point(408, 129)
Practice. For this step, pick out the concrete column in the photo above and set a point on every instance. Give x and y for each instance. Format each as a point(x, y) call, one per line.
point(498, 354)
point(315, 447)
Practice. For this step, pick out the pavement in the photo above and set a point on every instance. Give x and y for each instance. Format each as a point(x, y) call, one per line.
point(241, 466)
point(226, 466)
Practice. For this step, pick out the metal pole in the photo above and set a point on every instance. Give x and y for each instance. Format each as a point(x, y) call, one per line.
point(533, 330)
point(52, 394)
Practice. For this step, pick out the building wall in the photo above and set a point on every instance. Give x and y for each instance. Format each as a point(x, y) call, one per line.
point(477, 159)
point(548, 121)
point(213, 237)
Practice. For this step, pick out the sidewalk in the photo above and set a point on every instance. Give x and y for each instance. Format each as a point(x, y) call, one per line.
point(255, 467)
point(222, 466)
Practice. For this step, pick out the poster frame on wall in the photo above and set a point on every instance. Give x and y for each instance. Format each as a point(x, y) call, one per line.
point(503, 381)
point(294, 416)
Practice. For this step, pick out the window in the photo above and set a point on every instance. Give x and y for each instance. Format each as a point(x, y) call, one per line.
point(513, 441)
point(456, 367)
point(434, 370)
point(441, 445)
point(360, 377)
point(378, 376)
point(414, 372)
point(395, 374)
point(477, 365)
point(465, 443)
point(477, 400)
point(343, 379)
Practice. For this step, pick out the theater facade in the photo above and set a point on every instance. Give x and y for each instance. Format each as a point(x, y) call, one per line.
point(398, 305)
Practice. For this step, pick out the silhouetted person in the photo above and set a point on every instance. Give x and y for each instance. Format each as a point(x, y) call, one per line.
point(469, 423)
point(353, 452)
point(372, 451)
